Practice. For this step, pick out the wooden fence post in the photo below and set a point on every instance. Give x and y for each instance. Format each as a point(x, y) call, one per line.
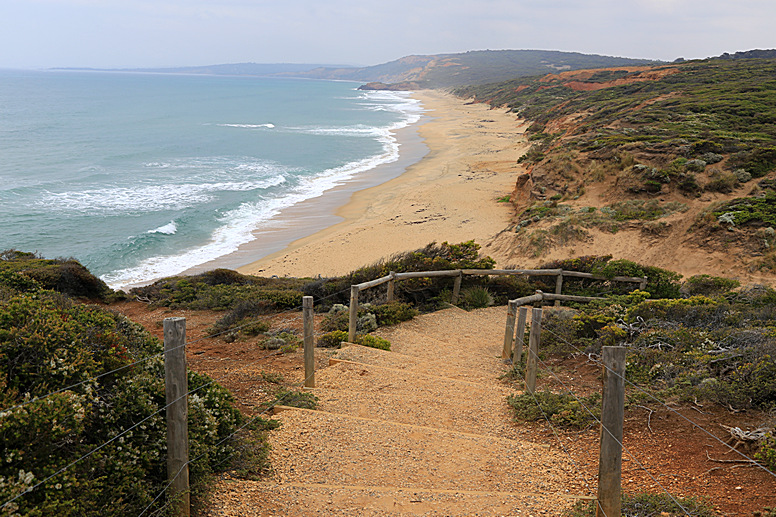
point(353, 313)
point(558, 287)
point(533, 350)
point(176, 387)
point(509, 332)
point(457, 287)
point(391, 286)
point(643, 284)
point(517, 356)
point(309, 350)
point(612, 415)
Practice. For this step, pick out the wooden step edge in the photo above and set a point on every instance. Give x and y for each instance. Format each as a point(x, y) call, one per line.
point(418, 490)
point(414, 357)
point(333, 361)
point(281, 409)
point(416, 361)
point(431, 337)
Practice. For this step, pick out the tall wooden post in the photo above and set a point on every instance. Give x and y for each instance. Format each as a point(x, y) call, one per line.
point(457, 287)
point(533, 350)
point(558, 287)
point(509, 332)
point(522, 315)
point(391, 286)
point(643, 284)
point(309, 350)
point(176, 387)
point(353, 313)
point(612, 416)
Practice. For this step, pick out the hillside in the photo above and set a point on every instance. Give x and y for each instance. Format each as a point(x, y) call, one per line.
point(671, 163)
point(474, 67)
point(432, 71)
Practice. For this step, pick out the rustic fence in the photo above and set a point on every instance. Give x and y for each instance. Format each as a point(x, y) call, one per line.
point(458, 274)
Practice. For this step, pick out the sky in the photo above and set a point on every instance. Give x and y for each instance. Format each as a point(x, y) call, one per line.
point(162, 33)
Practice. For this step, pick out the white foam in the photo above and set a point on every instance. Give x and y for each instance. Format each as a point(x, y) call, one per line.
point(249, 126)
point(167, 229)
point(238, 225)
point(147, 198)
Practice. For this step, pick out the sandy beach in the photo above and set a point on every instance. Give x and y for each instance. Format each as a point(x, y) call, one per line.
point(451, 194)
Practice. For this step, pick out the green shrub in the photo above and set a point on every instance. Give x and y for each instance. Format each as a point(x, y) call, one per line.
point(373, 341)
point(754, 210)
point(423, 293)
point(392, 313)
point(670, 309)
point(336, 319)
point(300, 399)
point(243, 313)
point(720, 181)
point(561, 409)
point(560, 332)
point(707, 285)
point(284, 341)
point(66, 276)
point(47, 342)
point(333, 339)
point(767, 453)
point(476, 298)
point(661, 283)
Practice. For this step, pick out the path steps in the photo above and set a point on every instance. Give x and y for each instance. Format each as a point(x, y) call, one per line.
point(421, 430)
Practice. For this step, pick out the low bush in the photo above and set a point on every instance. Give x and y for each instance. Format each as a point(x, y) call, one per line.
point(299, 399)
point(475, 298)
point(373, 341)
point(392, 313)
point(333, 339)
point(66, 276)
point(661, 283)
point(767, 452)
point(562, 409)
point(47, 342)
point(707, 285)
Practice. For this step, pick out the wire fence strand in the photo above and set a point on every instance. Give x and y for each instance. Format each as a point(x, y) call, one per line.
point(672, 410)
point(608, 432)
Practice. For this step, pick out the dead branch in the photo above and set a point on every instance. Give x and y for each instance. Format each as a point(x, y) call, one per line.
point(649, 417)
point(739, 462)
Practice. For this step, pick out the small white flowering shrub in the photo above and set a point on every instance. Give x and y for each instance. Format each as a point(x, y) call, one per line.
point(48, 343)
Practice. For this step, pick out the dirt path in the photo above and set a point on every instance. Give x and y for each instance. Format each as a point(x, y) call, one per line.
point(420, 430)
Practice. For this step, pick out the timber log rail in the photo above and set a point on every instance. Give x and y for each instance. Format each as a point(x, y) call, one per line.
point(458, 274)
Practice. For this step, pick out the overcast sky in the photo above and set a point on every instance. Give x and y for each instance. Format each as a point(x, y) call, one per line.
point(156, 33)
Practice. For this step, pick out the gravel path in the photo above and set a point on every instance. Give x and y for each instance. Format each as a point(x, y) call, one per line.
point(421, 430)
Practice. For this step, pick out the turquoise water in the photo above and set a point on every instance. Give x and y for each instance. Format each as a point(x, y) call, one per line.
point(142, 176)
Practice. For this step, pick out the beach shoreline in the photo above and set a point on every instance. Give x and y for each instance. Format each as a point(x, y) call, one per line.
point(448, 194)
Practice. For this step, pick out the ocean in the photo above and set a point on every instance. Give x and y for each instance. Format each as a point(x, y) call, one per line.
point(143, 176)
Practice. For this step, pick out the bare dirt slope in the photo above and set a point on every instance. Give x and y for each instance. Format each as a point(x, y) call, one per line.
point(421, 430)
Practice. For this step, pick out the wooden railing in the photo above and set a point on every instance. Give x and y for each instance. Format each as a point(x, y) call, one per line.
point(458, 274)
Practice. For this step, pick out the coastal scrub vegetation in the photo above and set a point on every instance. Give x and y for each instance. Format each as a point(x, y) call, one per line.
point(680, 129)
point(76, 381)
point(709, 341)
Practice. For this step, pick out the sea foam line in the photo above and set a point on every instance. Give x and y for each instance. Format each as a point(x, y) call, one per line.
point(239, 224)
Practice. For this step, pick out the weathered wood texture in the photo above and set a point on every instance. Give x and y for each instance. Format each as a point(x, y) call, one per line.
point(309, 345)
point(533, 350)
point(612, 416)
point(176, 387)
point(522, 316)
